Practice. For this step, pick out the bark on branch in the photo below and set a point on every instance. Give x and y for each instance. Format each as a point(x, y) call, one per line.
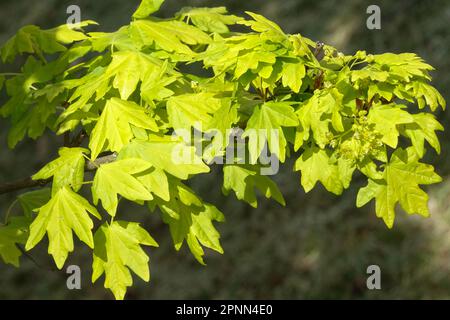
point(22, 184)
point(93, 165)
point(27, 183)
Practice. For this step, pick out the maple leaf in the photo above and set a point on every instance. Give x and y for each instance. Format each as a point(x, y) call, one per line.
point(244, 179)
point(116, 178)
point(317, 114)
point(265, 126)
point(315, 165)
point(262, 24)
point(425, 94)
point(194, 224)
point(33, 40)
point(66, 211)
point(67, 170)
point(424, 128)
point(156, 181)
point(171, 155)
point(146, 8)
point(252, 60)
point(401, 179)
point(113, 129)
point(293, 73)
point(15, 232)
point(117, 250)
point(172, 36)
point(192, 110)
point(385, 119)
point(120, 40)
point(127, 68)
point(209, 19)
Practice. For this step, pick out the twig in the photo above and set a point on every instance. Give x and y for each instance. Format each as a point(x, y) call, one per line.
point(22, 184)
point(28, 182)
point(93, 165)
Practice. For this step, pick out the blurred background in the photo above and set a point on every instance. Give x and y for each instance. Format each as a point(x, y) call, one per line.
point(318, 246)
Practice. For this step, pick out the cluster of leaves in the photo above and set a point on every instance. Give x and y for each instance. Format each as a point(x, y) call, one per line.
point(124, 93)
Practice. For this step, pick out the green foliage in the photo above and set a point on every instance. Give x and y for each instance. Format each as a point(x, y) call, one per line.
point(113, 129)
point(66, 211)
point(125, 93)
point(400, 183)
point(67, 170)
point(271, 115)
point(244, 179)
point(16, 232)
point(117, 248)
point(117, 178)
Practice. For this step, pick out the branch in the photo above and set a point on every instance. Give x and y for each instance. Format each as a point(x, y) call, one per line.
point(93, 165)
point(22, 184)
point(27, 183)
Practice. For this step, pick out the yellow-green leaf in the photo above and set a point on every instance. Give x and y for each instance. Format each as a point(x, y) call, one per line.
point(118, 250)
point(113, 129)
point(65, 212)
point(116, 178)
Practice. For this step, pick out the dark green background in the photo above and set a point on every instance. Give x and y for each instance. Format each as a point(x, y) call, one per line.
point(319, 245)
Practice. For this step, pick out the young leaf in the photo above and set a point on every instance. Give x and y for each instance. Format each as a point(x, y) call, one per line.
point(405, 65)
point(127, 68)
point(315, 165)
point(119, 40)
point(33, 40)
point(117, 250)
point(385, 119)
point(113, 130)
point(265, 125)
point(156, 182)
point(66, 211)
point(425, 94)
point(171, 36)
point(67, 170)
point(262, 24)
point(422, 129)
point(117, 178)
point(192, 110)
point(315, 115)
point(244, 179)
point(93, 84)
point(194, 225)
point(15, 232)
point(253, 60)
point(171, 155)
point(293, 73)
point(401, 179)
point(209, 19)
point(146, 8)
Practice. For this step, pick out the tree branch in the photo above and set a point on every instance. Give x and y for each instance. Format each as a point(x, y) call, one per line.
point(93, 165)
point(27, 183)
point(22, 184)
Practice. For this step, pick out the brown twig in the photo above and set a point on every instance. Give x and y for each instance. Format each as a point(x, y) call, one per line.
point(22, 184)
point(27, 183)
point(93, 165)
